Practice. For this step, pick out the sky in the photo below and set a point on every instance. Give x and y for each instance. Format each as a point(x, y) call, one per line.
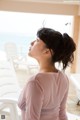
point(29, 23)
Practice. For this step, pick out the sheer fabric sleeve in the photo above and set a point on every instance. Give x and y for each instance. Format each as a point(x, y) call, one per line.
point(34, 101)
point(62, 113)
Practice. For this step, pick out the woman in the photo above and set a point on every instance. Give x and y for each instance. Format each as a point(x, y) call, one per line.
point(44, 96)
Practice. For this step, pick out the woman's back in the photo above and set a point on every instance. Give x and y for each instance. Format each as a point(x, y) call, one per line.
point(47, 91)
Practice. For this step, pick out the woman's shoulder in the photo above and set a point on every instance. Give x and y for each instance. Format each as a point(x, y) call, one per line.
point(39, 79)
point(34, 79)
point(34, 83)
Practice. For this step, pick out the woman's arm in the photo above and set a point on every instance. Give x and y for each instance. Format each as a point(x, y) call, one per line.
point(62, 112)
point(34, 101)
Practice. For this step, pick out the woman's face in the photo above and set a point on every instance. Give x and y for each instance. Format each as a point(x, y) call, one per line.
point(37, 48)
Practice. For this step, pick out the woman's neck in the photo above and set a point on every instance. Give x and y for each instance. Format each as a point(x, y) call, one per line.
point(48, 68)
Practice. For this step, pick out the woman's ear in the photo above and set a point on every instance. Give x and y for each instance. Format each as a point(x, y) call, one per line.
point(46, 51)
point(51, 52)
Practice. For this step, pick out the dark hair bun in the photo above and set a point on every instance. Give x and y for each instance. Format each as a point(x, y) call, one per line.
point(69, 48)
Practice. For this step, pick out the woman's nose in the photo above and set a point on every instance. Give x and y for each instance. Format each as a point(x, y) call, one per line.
point(32, 42)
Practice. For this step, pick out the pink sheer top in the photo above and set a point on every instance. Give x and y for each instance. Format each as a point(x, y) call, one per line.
point(44, 97)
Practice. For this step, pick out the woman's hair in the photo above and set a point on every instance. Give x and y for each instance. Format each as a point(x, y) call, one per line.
point(62, 46)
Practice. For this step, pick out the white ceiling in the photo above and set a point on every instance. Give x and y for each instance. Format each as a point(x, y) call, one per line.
point(68, 7)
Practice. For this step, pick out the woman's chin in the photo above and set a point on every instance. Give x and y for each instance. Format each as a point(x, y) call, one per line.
point(29, 54)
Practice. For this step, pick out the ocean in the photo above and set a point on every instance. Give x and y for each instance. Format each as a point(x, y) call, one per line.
point(22, 41)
